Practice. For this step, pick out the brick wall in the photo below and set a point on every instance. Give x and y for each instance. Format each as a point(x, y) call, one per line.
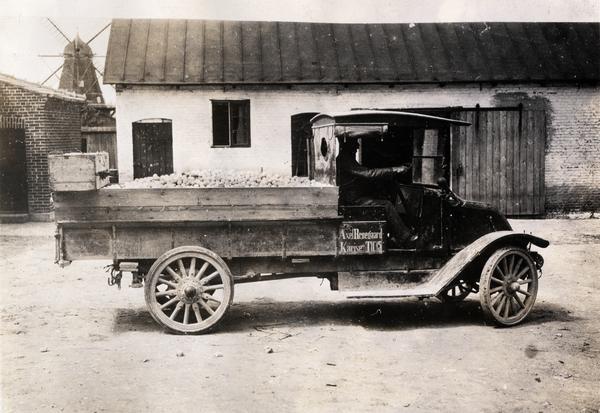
point(572, 152)
point(51, 124)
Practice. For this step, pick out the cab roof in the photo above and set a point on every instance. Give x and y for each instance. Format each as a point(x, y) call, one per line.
point(387, 116)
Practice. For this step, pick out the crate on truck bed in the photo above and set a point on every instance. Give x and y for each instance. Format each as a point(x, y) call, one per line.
point(79, 171)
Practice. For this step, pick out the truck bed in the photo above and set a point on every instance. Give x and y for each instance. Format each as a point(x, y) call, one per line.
point(124, 224)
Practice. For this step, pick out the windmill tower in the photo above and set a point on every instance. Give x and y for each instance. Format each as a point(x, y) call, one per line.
point(78, 71)
point(78, 68)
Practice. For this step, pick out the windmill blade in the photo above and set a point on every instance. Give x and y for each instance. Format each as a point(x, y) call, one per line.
point(92, 85)
point(98, 34)
point(99, 72)
point(53, 73)
point(51, 55)
point(90, 64)
point(60, 31)
point(98, 62)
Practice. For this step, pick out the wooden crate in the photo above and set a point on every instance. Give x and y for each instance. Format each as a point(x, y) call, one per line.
point(197, 204)
point(78, 171)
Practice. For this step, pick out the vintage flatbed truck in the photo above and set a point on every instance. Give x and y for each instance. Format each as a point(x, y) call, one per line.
point(189, 247)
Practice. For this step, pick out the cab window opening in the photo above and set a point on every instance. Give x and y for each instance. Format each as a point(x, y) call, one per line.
point(428, 156)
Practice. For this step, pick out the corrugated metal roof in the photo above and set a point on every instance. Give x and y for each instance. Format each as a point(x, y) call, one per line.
point(230, 52)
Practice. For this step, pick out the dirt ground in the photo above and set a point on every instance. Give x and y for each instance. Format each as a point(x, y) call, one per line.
point(71, 343)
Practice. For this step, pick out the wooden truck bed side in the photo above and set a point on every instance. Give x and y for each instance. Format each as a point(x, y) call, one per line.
point(149, 240)
point(197, 204)
point(127, 224)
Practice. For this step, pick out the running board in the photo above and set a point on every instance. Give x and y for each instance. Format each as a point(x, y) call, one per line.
point(376, 284)
point(417, 292)
point(391, 285)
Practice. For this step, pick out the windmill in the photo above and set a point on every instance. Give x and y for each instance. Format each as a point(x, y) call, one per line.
point(78, 68)
point(79, 74)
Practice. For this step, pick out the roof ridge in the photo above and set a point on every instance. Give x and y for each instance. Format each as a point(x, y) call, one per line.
point(38, 88)
point(357, 23)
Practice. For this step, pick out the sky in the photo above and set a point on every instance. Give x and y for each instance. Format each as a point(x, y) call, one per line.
point(25, 32)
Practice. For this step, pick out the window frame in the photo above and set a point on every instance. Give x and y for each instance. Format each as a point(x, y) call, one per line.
point(439, 156)
point(229, 101)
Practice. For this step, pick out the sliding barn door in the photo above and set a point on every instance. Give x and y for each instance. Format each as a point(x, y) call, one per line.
point(499, 159)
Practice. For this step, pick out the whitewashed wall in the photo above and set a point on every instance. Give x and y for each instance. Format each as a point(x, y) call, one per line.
point(572, 153)
point(270, 119)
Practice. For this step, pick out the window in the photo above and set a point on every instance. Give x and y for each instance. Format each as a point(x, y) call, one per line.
point(231, 123)
point(427, 157)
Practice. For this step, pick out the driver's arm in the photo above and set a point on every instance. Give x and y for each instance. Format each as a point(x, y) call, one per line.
point(376, 173)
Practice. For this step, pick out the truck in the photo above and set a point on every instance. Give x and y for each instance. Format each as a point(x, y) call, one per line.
point(189, 247)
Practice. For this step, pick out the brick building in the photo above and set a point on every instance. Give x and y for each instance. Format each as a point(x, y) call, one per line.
point(34, 121)
point(205, 94)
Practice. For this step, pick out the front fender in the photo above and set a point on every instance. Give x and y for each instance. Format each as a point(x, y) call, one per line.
point(481, 246)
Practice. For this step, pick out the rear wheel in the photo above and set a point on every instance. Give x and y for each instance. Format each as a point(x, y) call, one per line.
point(189, 289)
point(508, 286)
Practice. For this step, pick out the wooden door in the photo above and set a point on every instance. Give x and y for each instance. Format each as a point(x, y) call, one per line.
point(13, 171)
point(152, 148)
point(499, 159)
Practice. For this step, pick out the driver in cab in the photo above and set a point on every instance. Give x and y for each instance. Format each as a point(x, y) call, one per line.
point(356, 183)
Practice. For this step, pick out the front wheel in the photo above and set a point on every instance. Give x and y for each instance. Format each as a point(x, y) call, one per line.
point(189, 289)
point(458, 291)
point(508, 286)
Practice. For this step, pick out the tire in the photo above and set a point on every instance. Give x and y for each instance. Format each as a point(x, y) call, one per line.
point(508, 286)
point(188, 290)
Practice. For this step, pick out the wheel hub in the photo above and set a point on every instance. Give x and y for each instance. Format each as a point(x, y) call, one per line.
point(514, 287)
point(189, 291)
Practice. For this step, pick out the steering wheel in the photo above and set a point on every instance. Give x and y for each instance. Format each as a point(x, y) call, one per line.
point(450, 197)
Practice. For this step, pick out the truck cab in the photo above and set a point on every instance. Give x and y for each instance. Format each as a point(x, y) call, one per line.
point(440, 219)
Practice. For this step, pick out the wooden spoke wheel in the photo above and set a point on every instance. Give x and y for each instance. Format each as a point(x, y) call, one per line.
point(458, 291)
point(189, 289)
point(508, 286)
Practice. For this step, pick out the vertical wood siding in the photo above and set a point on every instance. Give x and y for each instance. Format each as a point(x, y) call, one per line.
point(102, 142)
point(499, 160)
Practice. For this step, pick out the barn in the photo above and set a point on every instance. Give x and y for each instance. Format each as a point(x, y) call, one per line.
point(34, 121)
point(204, 94)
